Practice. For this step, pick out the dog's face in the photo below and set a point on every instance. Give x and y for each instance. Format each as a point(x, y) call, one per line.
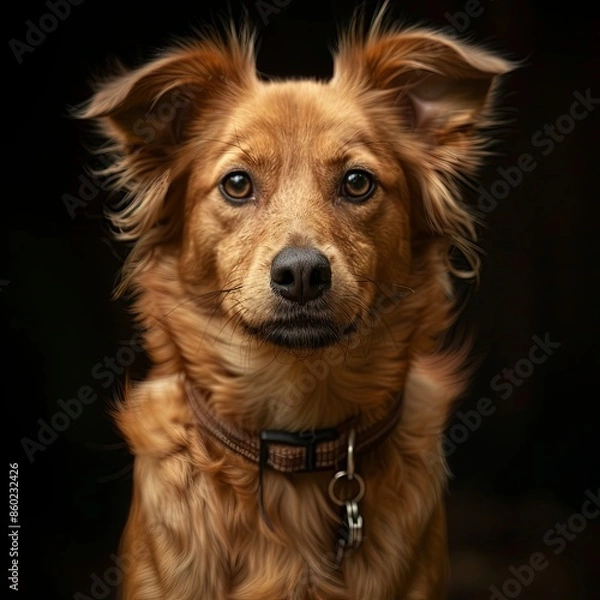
point(298, 206)
point(296, 200)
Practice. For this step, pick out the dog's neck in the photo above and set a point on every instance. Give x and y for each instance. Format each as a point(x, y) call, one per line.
point(310, 390)
point(258, 386)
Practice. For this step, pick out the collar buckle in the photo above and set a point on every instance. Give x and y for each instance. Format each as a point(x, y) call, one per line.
point(307, 439)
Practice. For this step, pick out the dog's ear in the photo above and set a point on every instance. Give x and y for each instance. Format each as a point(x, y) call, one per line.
point(151, 116)
point(438, 95)
point(442, 89)
point(149, 109)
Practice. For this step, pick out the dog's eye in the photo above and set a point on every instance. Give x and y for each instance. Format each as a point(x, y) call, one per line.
point(237, 186)
point(358, 185)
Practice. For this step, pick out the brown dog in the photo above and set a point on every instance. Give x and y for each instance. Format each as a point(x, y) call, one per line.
point(291, 270)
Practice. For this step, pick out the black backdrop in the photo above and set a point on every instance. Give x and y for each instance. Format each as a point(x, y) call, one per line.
point(524, 467)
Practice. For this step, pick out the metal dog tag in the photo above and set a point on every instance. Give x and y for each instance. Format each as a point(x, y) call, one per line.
point(351, 530)
point(353, 523)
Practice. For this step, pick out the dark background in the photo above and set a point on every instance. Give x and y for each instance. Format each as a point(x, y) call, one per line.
point(523, 470)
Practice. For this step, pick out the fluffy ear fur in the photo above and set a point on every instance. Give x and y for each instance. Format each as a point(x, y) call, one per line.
point(441, 92)
point(149, 115)
point(442, 88)
point(148, 108)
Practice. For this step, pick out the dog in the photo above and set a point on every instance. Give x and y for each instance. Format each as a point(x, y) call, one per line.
point(291, 267)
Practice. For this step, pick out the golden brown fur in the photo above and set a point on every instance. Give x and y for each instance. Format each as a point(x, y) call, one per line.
point(410, 106)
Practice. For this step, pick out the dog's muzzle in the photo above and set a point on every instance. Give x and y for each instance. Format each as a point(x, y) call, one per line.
point(300, 279)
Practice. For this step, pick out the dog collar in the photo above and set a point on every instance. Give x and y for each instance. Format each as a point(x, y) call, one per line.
point(299, 451)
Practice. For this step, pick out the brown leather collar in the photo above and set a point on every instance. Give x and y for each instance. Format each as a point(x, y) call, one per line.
point(293, 452)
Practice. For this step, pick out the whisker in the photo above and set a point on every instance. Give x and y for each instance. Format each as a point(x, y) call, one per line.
point(220, 303)
point(201, 298)
point(381, 282)
point(237, 145)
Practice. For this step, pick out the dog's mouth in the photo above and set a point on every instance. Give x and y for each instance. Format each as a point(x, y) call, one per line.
point(302, 332)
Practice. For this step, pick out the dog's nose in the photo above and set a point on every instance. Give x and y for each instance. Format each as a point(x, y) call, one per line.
point(300, 274)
